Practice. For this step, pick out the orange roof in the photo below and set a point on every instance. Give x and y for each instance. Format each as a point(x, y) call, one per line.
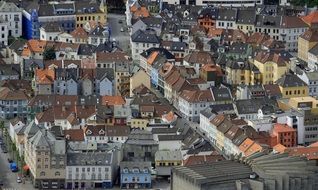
point(34, 46)
point(152, 57)
point(215, 32)
point(279, 148)
point(140, 12)
point(212, 67)
point(79, 32)
point(246, 145)
point(45, 76)
point(282, 128)
point(169, 116)
point(254, 148)
point(310, 152)
point(312, 18)
point(314, 144)
point(113, 100)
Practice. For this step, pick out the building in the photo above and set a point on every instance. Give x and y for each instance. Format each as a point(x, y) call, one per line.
point(139, 78)
point(225, 3)
point(311, 79)
point(285, 135)
point(13, 103)
point(3, 32)
point(292, 86)
point(271, 65)
point(91, 170)
point(46, 159)
point(141, 41)
point(11, 14)
point(50, 31)
point(91, 11)
point(306, 41)
point(165, 160)
point(136, 175)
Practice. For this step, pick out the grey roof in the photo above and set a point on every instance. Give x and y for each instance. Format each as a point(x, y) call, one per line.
point(166, 53)
point(141, 137)
point(238, 48)
point(170, 137)
point(66, 74)
point(106, 47)
point(30, 64)
point(246, 16)
point(227, 14)
point(314, 50)
point(220, 108)
point(171, 155)
point(217, 172)
point(89, 159)
point(52, 27)
point(9, 69)
point(164, 130)
point(251, 106)
point(290, 80)
point(131, 165)
point(178, 46)
point(221, 93)
point(122, 67)
point(199, 147)
point(101, 73)
point(86, 49)
point(153, 22)
point(99, 31)
point(18, 45)
point(312, 76)
point(145, 37)
point(31, 129)
point(8, 7)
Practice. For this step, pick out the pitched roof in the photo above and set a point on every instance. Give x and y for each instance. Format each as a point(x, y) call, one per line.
point(310, 35)
point(145, 37)
point(8, 94)
point(74, 134)
point(199, 57)
point(112, 100)
point(45, 76)
point(195, 96)
point(264, 57)
point(290, 80)
point(79, 32)
point(311, 19)
point(283, 128)
point(33, 46)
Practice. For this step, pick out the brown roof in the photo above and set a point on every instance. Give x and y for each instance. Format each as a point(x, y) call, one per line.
point(173, 78)
point(45, 76)
point(147, 109)
point(8, 94)
point(194, 96)
point(264, 56)
point(53, 100)
point(309, 152)
point(72, 46)
point(202, 159)
point(81, 112)
point(310, 35)
point(74, 134)
point(45, 116)
point(111, 57)
point(272, 89)
point(212, 68)
point(199, 57)
point(103, 130)
point(166, 70)
point(257, 38)
point(18, 85)
point(217, 120)
point(293, 22)
point(274, 44)
point(282, 128)
point(79, 32)
point(113, 100)
point(60, 63)
point(33, 46)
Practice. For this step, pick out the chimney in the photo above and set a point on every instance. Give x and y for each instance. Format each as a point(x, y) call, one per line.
point(63, 108)
point(63, 63)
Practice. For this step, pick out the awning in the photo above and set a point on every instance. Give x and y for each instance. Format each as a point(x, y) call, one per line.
point(26, 167)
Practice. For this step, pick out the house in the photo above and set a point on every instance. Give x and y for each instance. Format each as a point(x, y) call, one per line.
point(14, 125)
point(239, 50)
point(292, 86)
point(91, 169)
point(313, 58)
point(103, 134)
point(15, 50)
point(272, 66)
point(12, 14)
point(287, 136)
point(171, 142)
point(80, 35)
point(165, 160)
point(123, 72)
point(226, 18)
point(191, 103)
point(99, 35)
point(246, 20)
point(137, 79)
point(66, 37)
point(135, 175)
point(109, 59)
point(34, 49)
point(104, 82)
point(140, 145)
point(282, 28)
point(242, 71)
point(66, 81)
point(306, 41)
point(144, 23)
point(67, 51)
point(9, 72)
point(141, 41)
point(4, 32)
point(92, 11)
point(43, 81)
point(46, 159)
point(13, 103)
point(50, 31)
point(198, 59)
point(207, 18)
point(311, 79)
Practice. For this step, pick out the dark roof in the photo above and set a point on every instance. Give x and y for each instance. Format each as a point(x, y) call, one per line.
point(221, 93)
point(227, 14)
point(290, 80)
point(101, 73)
point(145, 37)
point(246, 16)
point(161, 51)
point(170, 137)
point(52, 27)
point(251, 106)
point(86, 49)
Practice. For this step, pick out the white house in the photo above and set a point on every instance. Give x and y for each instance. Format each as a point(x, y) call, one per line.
point(311, 79)
point(140, 41)
point(14, 125)
point(11, 14)
point(50, 31)
point(3, 32)
point(104, 134)
point(65, 37)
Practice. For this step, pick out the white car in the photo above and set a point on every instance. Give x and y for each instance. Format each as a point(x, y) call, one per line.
point(19, 180)
point(122, 29)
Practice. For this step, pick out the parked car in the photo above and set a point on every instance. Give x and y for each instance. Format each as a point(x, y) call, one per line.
point(19, 179)
point(1, 182)
point(10, 160)
point(120, 21)
point(122, 29)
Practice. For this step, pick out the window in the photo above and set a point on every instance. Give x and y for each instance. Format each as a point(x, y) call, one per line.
point(42, 174)
point(57, 173)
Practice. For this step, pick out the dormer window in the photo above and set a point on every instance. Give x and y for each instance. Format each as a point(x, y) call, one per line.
point(125, 170)
point(101, 132)
point(88, 132)
point(135, 170)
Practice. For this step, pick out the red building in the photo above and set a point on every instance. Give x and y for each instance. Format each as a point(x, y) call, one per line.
point(285, 135)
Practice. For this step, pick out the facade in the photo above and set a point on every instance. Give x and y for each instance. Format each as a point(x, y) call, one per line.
point(165, 160)
point(45, 156)
point(286, 135)
point(11, 14)
point(306, 41)
point(136, 175)
point(86, 12)
point(141, 41)
point(292, 86)
point(311, 79)
point(91, 170)
point(4, 32)
point(139, 78)
point(242, 72)
point(13, 103)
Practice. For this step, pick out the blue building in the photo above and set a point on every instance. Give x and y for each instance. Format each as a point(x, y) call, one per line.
point(135, 175)
point(30, 25)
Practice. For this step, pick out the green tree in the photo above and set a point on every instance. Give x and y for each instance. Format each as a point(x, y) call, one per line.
point(309, 3)
point(49, 54)
point(2, 128)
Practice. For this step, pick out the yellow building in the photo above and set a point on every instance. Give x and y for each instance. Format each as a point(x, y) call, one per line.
point(246, 28)
point(242, 72)
point(139, 78)
point(292, 86)
point(140, 123)
point(306, 102)
point(305, 42)
point(92, 11)
point(246, 20)
point(271, 66)
point(168, 158)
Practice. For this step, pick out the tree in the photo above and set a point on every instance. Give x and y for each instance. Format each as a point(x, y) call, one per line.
point(309, 3)
point(49, 54)
point(2, 127)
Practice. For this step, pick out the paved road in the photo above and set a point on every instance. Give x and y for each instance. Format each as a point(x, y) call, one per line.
point(9, 178)
point(122, 38)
